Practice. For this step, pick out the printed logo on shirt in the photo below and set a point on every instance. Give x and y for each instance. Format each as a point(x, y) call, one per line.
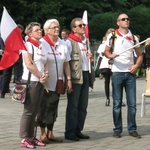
point(55, 53)
point(40, 54)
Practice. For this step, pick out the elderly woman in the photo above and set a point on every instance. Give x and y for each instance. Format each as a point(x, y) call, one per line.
point(38, 67)
point(58, 57)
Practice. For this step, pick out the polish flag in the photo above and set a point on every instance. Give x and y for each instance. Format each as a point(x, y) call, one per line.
point(85, 21)
point(13, 41)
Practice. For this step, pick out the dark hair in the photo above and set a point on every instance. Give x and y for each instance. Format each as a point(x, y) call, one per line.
point(20, 26)
point(66, 30)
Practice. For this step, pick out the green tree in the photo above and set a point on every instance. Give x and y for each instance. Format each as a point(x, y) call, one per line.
point(140, 21)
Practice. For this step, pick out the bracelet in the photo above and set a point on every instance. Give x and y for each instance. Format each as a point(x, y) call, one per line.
point(68, 79)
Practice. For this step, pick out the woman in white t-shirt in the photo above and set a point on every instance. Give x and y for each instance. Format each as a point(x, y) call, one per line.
point(35, 62)
point(58, 60)
point(105, 68)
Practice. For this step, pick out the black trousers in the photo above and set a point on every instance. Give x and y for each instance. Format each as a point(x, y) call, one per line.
point(4, 83)
point(107, 76)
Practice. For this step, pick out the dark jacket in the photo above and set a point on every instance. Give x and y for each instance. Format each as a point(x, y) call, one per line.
point(147, 53)
point(1, 48)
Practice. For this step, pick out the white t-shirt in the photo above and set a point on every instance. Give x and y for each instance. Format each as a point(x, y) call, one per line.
point(101, 48)
point(68, 44)
point(62, 55)
point(124, 61)
point(40, 59)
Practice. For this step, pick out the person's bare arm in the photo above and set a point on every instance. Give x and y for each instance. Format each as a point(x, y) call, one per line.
point(68, 76)
point(139, 60)
point(108, 54)
point(31, 66)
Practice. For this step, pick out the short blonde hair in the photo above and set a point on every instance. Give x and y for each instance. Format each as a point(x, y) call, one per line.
point(30, 26)
point(110, 30)
point(48, 24)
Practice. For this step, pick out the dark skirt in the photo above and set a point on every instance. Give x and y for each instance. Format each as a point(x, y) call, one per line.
point(49, 107)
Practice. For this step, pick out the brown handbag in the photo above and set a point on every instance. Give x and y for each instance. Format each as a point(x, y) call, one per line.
point(60, 86)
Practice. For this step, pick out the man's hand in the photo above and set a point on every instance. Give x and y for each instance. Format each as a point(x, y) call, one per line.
point(133, 69)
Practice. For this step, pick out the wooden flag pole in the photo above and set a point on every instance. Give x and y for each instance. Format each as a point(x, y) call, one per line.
point(89, 50)
point(133, 46)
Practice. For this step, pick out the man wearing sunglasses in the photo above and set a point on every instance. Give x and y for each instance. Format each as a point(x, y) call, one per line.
point(78, 99)
point(123, 75)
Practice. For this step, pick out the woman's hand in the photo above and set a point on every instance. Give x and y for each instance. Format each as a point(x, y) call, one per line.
point(43, 78)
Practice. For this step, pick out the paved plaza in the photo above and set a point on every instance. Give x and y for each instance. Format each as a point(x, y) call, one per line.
point(98, 124)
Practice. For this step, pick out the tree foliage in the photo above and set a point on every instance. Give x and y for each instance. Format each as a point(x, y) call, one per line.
point(101, 14)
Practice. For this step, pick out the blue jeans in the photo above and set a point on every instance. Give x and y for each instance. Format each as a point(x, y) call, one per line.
point(128, 81)
point(77, 106)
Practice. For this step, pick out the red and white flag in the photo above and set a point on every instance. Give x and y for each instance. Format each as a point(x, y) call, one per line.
point(13, 41)
point(85, 21)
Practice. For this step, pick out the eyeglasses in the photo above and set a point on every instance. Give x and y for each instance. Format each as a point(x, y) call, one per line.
point(37, 30)
point(56, 27)
point(123, 19)
point(80, 25)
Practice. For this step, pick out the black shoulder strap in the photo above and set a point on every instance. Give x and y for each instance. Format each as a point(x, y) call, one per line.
point(112, 40)
point(133, 37)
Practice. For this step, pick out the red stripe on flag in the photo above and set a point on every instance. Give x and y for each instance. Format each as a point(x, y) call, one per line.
point(13, 44)
point(86, 31)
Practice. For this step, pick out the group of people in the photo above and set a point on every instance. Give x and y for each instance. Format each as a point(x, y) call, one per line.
point(50, 58)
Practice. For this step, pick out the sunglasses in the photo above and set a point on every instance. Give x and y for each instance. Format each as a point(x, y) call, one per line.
point(80, 25)
point(123, 19)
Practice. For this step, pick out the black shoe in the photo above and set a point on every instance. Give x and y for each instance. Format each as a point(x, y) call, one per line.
point(135, 134)
point(2, 96)
point(117, 134)
point(82, 136)
point(123, 104)
point(107, 102)
point(72, 137)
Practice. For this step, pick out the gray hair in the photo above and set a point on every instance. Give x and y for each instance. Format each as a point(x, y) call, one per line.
point(48, 24)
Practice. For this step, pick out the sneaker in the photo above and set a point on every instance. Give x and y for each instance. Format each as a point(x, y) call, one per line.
point(135, 134)
point(117, 134)
point(36, 142)
point(27, 143)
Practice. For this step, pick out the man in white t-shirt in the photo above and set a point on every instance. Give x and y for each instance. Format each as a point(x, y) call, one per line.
point(123, 75)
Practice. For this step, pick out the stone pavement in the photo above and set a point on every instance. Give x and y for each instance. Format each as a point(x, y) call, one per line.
point(98, 124)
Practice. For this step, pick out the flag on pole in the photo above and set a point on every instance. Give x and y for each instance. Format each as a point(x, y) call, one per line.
point(85, 21)
point(91, 70)
point(13, 41)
